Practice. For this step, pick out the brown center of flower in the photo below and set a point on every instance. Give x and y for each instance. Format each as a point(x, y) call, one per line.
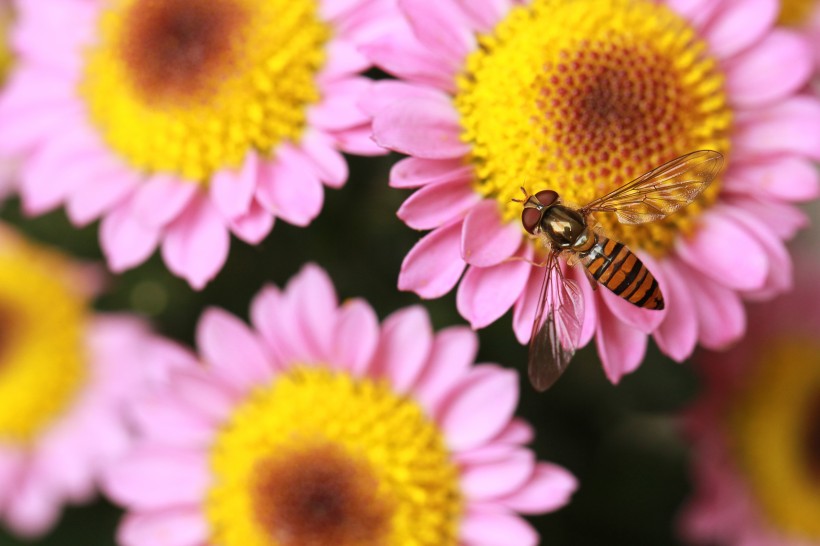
point(318, 496)
point(179, 48)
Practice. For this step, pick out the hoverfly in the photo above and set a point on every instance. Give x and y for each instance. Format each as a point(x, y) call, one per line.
point(569, 232)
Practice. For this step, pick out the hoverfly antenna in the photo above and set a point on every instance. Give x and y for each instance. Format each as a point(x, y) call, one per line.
point(526, 196)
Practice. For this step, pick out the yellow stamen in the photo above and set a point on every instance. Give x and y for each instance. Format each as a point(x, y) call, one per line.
point(581, 96)
point(189, 87)
point(400, 476)
point(42, 355)
point(775, 426)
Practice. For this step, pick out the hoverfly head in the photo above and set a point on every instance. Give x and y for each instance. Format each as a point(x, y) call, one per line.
point(534, 208)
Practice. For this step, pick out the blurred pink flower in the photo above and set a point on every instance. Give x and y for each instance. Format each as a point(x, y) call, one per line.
point(319, 426)
point(804, 17)
point(756, 426)
point(582, 97)
point(65, 373)
point(228, 125)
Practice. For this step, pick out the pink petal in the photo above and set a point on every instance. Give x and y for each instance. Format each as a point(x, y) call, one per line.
point(204, 392)
point(420, 127)
point(166, 528)
point(433, 266)
point(232, 190)
point(738, 25)
point(771, 70)
point(698, 12)
point(677, 335)
point(779, 278)
point(620, 346)
point(339, 108)
point(12, 464)
point(343, 59)
point(232, 349)
point(723, 250)
point(46, 179)
point(328, 164)
point(783, 219)
point(290, 189)
point(549, 489)
point(196, 244)
point(398, 52)
point(486, 239)
point(162, 198)
point(437, 204)
point(24, 130)
point(496, 478)
point(517, 432)
point(98, 195)
point(168, 422)
point(496, 529)
point(786, 177)
point(253, 226)
point(125, 240)
point(485, 14)
point(358, 141)
point(441, 27)
point(453, 352)
point(35, 508)
point(413, 172)
point(406, 340)
point(385, 93)
point(486, 293)
point(788, 127)
point(356, 335)
point(280, 322)
point(645, 320)
point(149, 479)
point(721, 316)
point(312, 294)
point(479, 408)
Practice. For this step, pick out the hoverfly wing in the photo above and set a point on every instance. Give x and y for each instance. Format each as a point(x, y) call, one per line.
point(556, 333)
point(661, 191)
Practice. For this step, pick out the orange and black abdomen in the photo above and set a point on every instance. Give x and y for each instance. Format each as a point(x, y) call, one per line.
point(615, 266)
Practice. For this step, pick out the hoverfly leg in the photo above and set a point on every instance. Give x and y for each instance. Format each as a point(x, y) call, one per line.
point(523, 259)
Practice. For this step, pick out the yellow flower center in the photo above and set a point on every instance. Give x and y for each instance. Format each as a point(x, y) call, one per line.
point(796, 12)
point(319, 457)
point(42, 358)
point(6, 55)
point(581, 96)
point(189, 87)
point(776, 435)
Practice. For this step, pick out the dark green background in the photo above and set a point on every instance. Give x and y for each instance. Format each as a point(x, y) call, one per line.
point(620, 442)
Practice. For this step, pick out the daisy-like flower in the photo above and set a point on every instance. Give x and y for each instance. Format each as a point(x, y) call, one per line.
point(64, 375)
point(580, 97)
point(756, 430)
point(181, 121)
point(319, 426)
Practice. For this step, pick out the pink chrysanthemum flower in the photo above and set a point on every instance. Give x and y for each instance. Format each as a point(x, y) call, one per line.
point(319, 426)
point(7, 165)
point(756, 430)
point(64, 375)
point(581, 97)
point(181, 121)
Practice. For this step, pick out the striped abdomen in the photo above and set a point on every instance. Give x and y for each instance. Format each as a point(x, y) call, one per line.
point(619, 269)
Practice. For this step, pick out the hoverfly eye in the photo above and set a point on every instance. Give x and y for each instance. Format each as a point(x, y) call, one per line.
point(546, 197)
point(531, 217)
